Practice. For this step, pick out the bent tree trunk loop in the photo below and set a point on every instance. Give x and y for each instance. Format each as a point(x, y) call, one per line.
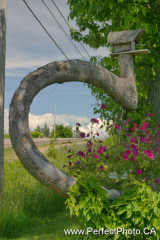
point(122, 89)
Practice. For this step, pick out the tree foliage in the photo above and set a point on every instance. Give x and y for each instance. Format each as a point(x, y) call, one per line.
point(95, 19)
point(63, 132)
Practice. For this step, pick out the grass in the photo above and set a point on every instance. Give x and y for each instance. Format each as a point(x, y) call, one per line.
point(28, 210)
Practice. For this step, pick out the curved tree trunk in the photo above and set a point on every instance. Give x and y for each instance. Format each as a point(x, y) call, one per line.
point(122, 90)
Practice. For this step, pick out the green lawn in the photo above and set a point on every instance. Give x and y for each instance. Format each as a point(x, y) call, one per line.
point(29, 210)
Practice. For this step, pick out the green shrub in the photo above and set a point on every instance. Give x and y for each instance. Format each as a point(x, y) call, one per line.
point(137, 211)
point(37, 134)
point(52, 152)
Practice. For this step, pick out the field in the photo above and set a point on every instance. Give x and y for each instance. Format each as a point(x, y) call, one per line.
point(28, 210)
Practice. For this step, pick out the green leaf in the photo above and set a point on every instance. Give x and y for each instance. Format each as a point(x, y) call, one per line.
point(129, 213)
point(121, 210)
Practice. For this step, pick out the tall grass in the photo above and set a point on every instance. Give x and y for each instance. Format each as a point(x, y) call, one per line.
point(28, 210)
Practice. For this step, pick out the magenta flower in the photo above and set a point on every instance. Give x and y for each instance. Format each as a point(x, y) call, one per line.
point(118, 158)
point(89, 145)
point(70, 163)
point(146, 179)
point(94, 120)
point(129, 120)
point(107, 157)
point(97, 134)
point(82, 154)
point(96, 156)
point(132, 129)
point(150, 115)
point(82, 165)
point(117, 126)
point(89, 150)
point(127, 134)
point(132, 140)
point(78, 162)
point(101, 141)
point(69, 142)
point(103, 106)
point(158, 133)
point(132, 159)
point(128, 152)
point(82, 134)
point(156, 149)
point(135, 124)
point(145, 124)
point(135, 153)
point(139, 171)
point(158, 125)
point(147, 140)
point(88, 135)
point(147, 131)
point(100, 150)
point(101, 167)
point(69, 156)
point(156, 180)
point(78, 124)
point(125, 156)
point(89, 142)
point(141, 139)
point(111, 126)
point(125, 122)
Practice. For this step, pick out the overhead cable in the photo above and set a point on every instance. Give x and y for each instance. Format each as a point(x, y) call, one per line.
point(44, 28)
point(62, 28)
point(68, 25)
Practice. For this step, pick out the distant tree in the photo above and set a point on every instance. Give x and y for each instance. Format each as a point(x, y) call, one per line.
point(76, 132)
point(38, 129)
point(45, 130)
point(62, 132)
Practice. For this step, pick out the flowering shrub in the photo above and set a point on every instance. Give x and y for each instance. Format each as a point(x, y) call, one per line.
point(133, 149)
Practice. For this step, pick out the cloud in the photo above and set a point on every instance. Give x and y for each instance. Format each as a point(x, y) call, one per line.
point(66, 120)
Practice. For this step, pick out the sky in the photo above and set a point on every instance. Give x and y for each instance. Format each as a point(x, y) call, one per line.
point(28, 47)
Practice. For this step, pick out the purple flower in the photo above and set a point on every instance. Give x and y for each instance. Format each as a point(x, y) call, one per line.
point(101, 167)
point(82, 134)
point(139, 171)
point(78, 124)
point(82, 154)
point(100, 150)
point(103, 106)
point(127, 129)
point(78, 162)
point(88, 135)
point(94, 120)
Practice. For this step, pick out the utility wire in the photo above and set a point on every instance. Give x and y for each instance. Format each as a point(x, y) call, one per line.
point(44, 29)
point(68, 25)
point(61, 107)
point(62, 29)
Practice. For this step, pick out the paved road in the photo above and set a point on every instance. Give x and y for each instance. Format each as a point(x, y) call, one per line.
point(41, 141)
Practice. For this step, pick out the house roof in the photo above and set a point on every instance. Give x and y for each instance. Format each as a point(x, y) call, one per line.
point(125, 36)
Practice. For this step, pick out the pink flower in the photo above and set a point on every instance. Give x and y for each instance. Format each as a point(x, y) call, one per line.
point(132, 140)
point(129, 120)
point(147, 131)
point(96, 156)
point(69, 156)
point(142, 128)
point(150, 115)
point(97, 134)
point(100, 150)
point(132, 129)
point(145, 124)
point(158, 125)
point(82, 154)
point(141, 139)
point(125, 156)
point(78, 162)
point(135, 153)
point(117, 126)
point(146, 179)
point(135, 124)
point(156, 180)
point(70, 163)
point(118, 158)
point(127, 134)
point(89, 150)
point(78, 124)
point(158, 133)
point(107, 157)
point(147, 140)
point(125, 122)
point(103, 106)
point(111, 126)
point(101, 167)
point(132, 159)
point(94, 120)
point(82, 134)
point(116, 116)
point(156, 149)
point(128, 152)
point(139, 171)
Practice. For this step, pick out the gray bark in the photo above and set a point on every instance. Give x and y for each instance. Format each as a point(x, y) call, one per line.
point(3, 4)
point(122, 90)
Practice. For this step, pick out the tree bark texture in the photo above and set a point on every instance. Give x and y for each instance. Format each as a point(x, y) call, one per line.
point(3, 4)
point(122, 90)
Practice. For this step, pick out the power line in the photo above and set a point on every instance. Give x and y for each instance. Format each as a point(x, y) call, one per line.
point(61, 107)
point(68, 25)
point(44, 29)
point(62, 28)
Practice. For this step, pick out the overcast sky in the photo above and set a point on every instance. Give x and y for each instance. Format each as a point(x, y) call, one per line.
point(28, 47)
